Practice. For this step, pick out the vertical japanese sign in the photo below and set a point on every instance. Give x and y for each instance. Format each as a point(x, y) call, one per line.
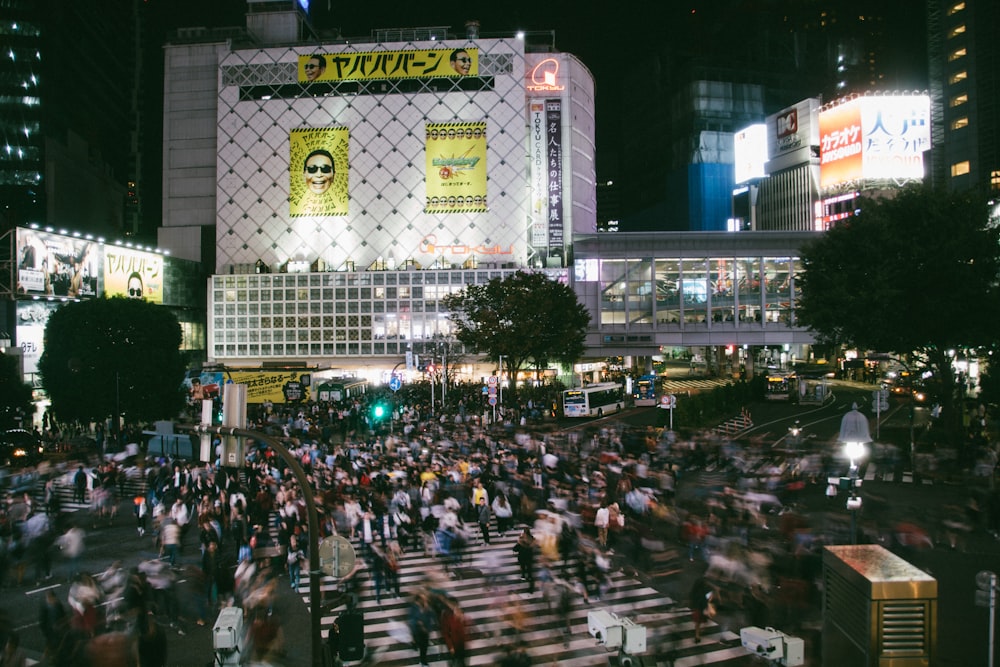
point(553, 149)
point(133, 274)
point(539, 174)
point(840, 144)
point(318, 172)
point(456, 167)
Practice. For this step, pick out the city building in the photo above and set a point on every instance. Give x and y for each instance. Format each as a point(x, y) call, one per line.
point(964, 80)
point(346, 187)
point(50, 268)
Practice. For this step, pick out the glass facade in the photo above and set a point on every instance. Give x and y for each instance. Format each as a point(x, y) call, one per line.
point(699, 293)
point(342, 314)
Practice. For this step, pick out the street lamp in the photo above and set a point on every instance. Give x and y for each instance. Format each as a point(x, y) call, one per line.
point(854, 434)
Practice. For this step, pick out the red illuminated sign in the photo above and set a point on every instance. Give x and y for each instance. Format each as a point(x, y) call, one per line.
point(545, 76)
point(787, 124)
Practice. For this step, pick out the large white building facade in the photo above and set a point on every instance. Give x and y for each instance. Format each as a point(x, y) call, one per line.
point(441, 177)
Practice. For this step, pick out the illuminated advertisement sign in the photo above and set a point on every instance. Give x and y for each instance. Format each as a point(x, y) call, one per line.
point(750, 151)
point(133, 274)
point(874, 137)
point(378, 65)
point(538, 174)
point(544, 77)
point(456, 167)
point(32, 316)
point(553, 146)
point(318, 170)
point(56, 265)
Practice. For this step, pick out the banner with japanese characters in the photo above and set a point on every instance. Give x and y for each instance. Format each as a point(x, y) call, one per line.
point(456, 167)
point(51, 264)
point(553, 150)
point(318, 172)
point(378, 65)
point(133, 273)
point(538, 174)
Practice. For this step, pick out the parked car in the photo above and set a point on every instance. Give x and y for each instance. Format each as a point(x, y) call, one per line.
point(19, 448)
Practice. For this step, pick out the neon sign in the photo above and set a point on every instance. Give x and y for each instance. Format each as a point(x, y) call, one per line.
point(544, 76)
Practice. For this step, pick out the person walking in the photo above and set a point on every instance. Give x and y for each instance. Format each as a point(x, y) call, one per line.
point(525, 550)
point(702, 602)
point(601, 520)
point(295, 557)
point(79, 486)
point(503, 512)
point(421, 622)
point(483, 516)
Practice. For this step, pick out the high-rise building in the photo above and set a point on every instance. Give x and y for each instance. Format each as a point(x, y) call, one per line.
point(723, 66)
point(965, 92)
point(66, 76)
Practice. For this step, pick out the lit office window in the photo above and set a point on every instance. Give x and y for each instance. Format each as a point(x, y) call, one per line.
point(956, 31)
point(959, 123)
point(958, 76)
point(955, 8)
point(956, 54)
point(958, 100)
point(960, 168)
point(995, 179)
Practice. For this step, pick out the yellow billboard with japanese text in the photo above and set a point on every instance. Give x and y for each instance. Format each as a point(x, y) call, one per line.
point(377, 65)
point(456, 167)
point(318, 172)
point(133, 273)
point(274, 386)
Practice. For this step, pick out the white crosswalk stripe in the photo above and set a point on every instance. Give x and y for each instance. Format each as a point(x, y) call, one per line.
point(627, 597)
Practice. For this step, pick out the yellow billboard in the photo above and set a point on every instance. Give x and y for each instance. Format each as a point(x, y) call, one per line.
point(456, 167)
point(318, 170)
point(377, 65)
point(133, 274)
point(275, 386)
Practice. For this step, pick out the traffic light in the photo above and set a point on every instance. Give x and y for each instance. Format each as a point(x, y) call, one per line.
point(378, 412)
point(430, 369)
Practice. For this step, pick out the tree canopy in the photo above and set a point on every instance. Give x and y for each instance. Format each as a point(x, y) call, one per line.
point(15, 394)
point(915, 273)
point(103, 352)
point(526, 317)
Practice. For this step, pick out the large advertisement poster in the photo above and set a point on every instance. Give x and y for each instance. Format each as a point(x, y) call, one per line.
point(32, 316)
point(840, 144)
point(318, 171)
point(377, 65)
point(56, 265)
point(874, 137)
point(538, 175)
point(133, 274)
point(456, 167)
point(275, 386)
point(553, 133)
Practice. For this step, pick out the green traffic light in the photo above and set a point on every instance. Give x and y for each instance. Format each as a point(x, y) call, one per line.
point(379, 411)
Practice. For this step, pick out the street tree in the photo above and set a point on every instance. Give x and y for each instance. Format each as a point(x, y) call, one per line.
point(525, 317)
point(108, 356)
point(915, 275)
point(15, 394)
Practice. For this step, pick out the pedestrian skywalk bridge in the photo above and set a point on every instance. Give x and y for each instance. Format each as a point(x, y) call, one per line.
point(486, 604)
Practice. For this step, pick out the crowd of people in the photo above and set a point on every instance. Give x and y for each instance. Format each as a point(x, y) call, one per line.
point(580, 505)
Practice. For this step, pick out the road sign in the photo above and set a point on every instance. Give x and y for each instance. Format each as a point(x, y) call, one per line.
point(492, 380)
point(880, 406)
point(336, 556)
point(492, 400)
point(668, 401)
point(395, 383)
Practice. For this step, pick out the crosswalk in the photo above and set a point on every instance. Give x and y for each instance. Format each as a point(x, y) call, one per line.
point(681, 386)
point(669, 627)
point(874, 474)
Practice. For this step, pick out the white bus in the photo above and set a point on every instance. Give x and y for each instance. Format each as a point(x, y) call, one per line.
point(595, 400)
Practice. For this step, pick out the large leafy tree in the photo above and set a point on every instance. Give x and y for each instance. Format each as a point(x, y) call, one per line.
point(107, 354)
point(915, 274)
point(15, 395)
point(526, 317)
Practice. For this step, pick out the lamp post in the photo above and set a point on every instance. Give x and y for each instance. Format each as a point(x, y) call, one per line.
point(854, 434)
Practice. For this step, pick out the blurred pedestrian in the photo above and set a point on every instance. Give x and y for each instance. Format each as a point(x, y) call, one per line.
point(525, 549)
point(483, 517)
point(421, 621)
